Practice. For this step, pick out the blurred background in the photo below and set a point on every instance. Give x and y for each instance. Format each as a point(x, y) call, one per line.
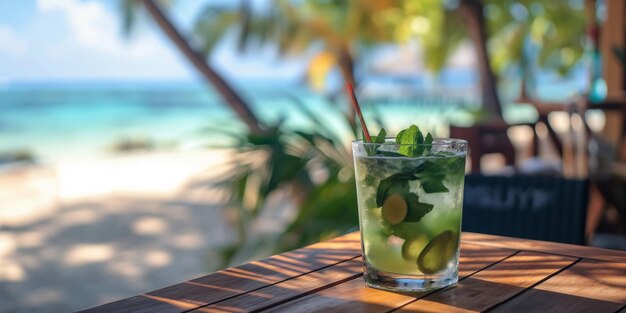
point(147, 142)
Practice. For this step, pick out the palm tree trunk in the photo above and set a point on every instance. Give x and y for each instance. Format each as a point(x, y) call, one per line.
point(241, 108)
point(472, 11)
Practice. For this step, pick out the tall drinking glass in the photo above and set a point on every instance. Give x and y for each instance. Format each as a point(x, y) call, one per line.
point(410, 212)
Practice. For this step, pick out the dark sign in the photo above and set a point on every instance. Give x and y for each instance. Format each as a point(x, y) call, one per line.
point(535, 207)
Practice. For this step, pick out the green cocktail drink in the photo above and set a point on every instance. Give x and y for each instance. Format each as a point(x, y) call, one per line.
point(410, 199)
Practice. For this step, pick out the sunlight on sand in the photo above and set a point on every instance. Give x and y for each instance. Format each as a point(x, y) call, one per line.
point(130, 222)
point(155, 174)
point(149, 226)
point(9, 269)
point(79, 217)
point(89, 253)
point(158, 258)
point(125, 268)
point(187, 240)
point(31, 239)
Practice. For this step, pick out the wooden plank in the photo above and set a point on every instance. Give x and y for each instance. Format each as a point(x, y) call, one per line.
point(289, 289)
point(351, 296)
point(493, 285)
point(474, 258)
point(588, 286)
point(237, 280)
point(545, 247)
point(354, 296)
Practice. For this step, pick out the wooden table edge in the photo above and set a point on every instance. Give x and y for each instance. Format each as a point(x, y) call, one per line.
point(565, 249)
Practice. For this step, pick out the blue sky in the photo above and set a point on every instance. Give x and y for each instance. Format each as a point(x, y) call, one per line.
point(53, 40)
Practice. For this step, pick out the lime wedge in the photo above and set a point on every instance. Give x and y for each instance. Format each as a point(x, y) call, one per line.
point(394, 209)
point(438, 252)
point(412, 247)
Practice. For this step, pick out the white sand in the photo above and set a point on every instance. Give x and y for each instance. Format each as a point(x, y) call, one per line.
point(88, 232)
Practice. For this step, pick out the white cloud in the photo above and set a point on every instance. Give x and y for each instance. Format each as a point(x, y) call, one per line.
point(10, 42)
point(92, 25)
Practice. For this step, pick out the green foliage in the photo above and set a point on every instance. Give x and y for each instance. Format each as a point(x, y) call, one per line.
point(286, 160)
point(550, 33)
point(339, 29)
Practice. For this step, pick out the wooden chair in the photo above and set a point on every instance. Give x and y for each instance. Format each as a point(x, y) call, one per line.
point(484, 138)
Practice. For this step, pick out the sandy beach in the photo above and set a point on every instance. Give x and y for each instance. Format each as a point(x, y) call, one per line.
point(85, 232)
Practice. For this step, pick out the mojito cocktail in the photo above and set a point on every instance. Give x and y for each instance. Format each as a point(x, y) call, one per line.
point(410, 199)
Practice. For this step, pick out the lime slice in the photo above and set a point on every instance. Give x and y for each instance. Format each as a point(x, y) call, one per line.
point(394, 209)
point(438, 252)
point(412, 247)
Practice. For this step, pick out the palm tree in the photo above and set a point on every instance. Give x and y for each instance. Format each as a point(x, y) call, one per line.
point(339, 29)
point(336, 29)
point(228, 93)
point(501, 36)
point(509, 35)
point(472, 13)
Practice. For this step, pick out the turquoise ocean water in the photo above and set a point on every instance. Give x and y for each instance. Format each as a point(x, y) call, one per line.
point(64, 121)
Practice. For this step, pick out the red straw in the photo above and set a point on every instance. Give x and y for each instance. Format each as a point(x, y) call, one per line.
point(357, 108)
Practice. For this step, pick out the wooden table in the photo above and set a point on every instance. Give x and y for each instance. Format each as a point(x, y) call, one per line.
point(499, 274)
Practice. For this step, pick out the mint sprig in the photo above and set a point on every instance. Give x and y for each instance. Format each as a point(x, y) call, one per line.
point(413, 142)
point(380, 138)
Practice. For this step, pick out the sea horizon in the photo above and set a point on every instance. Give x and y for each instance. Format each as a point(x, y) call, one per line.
point(65, 119)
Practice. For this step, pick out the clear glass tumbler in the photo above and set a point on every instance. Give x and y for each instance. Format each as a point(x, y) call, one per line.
point(410, 212)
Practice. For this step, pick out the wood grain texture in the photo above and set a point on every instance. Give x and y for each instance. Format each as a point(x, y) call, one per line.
point(588, 286)
point(473, 259)
point(351, 296)
point(237, 280)
point(545, 246)
point(493, 285)
point(354, 296)
point(476, 257)
point(289, 289)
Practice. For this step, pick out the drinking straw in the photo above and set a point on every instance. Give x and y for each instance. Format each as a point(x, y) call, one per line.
point(357, 108)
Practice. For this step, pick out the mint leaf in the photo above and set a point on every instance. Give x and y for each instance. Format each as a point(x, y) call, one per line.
point(411, 138)
point(400, 136)
point(417, 209)
point(428, 141)
point(419, 150)
point(408, 136)
point(380, 138)
point(381, 193)
point(433, 184)
point(432, 175)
